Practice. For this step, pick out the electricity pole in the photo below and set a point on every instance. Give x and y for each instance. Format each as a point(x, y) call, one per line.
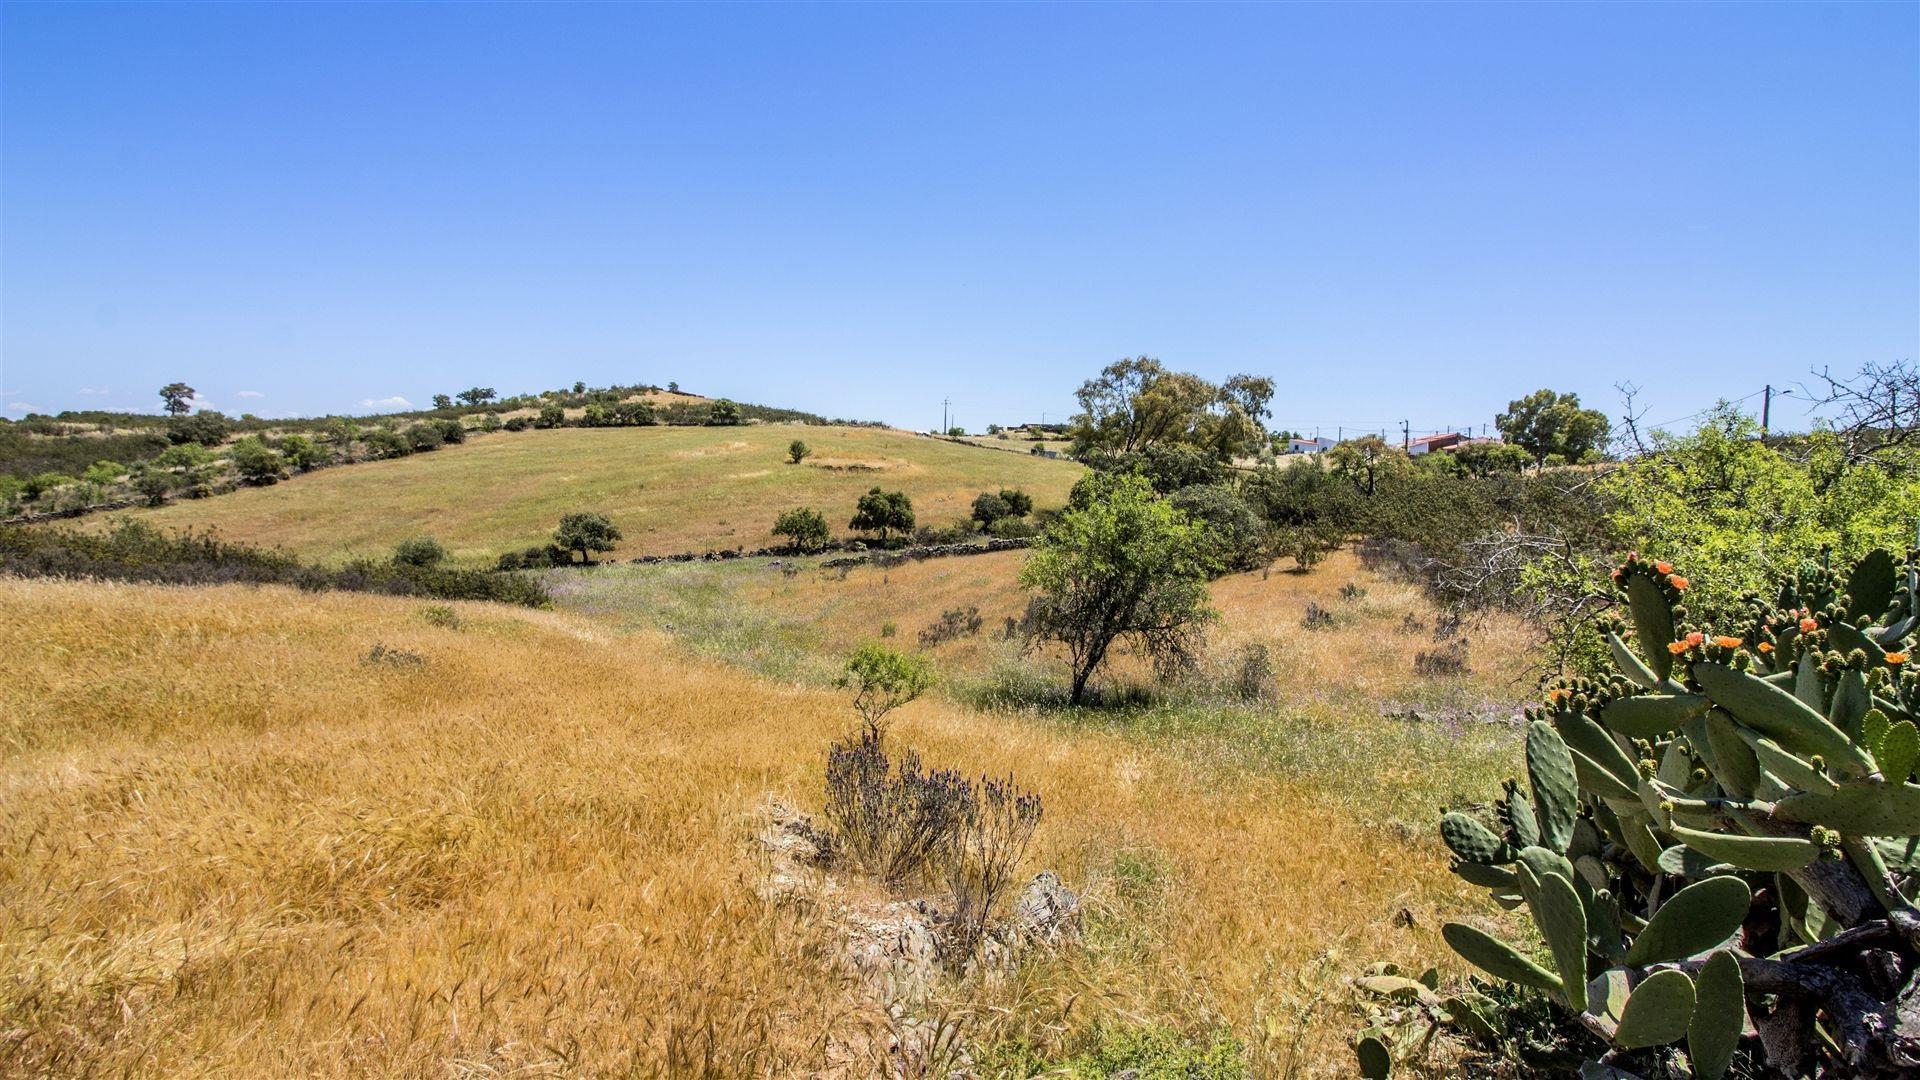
point(1406, 436)
point(1766, 408)
point(943, 415)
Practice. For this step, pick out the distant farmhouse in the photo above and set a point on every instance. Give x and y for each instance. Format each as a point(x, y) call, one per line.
point(1309, 446)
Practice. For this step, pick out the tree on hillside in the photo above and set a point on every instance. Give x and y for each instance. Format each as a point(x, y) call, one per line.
point(585, 531)
point(551, 416)
point(255, 461)
point(1125, 563)
point(1368, 460)
point(1548, 424)
point(1137, 403)
point(723, 412)
point(882, 680)
point(419, 551)
point(798, 451)
point(178, 398)
point(804, 528)
point(883, 512)
point(206, 427)
point(442, 401)
point(478, 395)
point(579, 387)
point(673, 387)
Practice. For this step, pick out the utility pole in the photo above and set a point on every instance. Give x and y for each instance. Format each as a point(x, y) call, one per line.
point(1406, 436)
point(943, 415)
point(1766, 409)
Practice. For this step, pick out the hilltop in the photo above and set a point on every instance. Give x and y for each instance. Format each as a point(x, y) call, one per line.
point(669, 489)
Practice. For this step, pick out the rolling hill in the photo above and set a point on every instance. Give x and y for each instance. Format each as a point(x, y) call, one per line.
point(669, 489)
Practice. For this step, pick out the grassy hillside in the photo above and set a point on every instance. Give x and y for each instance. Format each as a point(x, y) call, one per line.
point(668, 489)
point(231, 845)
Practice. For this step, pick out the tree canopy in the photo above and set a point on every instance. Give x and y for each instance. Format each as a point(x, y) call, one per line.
point(1547, 424)
point(1125, 563)
point(1137, 403)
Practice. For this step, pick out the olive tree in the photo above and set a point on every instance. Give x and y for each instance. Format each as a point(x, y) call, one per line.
point(1121, 563)
point(586, 531)
point(804, 528)
point(882, 680)
point(883, 512)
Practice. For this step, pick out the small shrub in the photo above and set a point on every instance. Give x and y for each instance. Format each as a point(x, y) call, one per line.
point(153, 484)
point(887, 630)
point(997, 823)
point(382, 656)
point(551, 416)
point(890, 823)
point(1449, 659)
point(882, 680)
point(490, 422)
point(797, 452)
point(441, 615)
point(1352, 591)
point(1013, 528)
point(517, 423)
point(255, 462)
point(1253, 672)
point(419, 551)
point(1317, 617)
point(953, 623)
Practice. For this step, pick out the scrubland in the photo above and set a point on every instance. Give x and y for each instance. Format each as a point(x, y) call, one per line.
point(669, 489)
point(232, 844)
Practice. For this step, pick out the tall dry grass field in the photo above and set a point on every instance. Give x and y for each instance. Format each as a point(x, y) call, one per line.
point(669, 489)
point(231, 845)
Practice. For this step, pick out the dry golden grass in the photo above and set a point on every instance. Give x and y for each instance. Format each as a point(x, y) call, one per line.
point(229, 846)
point(669, 489)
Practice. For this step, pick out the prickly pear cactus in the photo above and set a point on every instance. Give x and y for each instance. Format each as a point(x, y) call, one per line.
point(1719, 843)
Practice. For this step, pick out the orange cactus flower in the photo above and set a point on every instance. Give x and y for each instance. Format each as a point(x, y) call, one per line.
point(1663, 567)
point(1696, 638)
point(1678, 582)
point(1896, 658)
point(1677, 647)
point(1808, 625)
point(1726, 642)
point(1765, 646)
point(1558, 694)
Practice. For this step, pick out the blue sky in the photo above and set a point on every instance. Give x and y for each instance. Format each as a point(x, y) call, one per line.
point(1397, 211)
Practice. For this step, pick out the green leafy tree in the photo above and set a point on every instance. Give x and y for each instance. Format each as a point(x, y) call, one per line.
point(804, 528)
point(798, 452)
point(723, 412)
point(478, 395)
point(989, 507)
point(1236, 537)
point(1367, 461)
point(1488, 458)
point(1548, 424)
point(442, 401)
point(206, 427)
point(490, 422)
point(1019, 503)
point(551, 416)
point(1125, 564)
point(178, 398)
point(103, 473)
point(419, 551)
point(1137, 403)
point(579, 387)
point(153, 485)
point(882, 680)
point(883, 512)
point(586, 531)
point(255, 461)
point(301, 453)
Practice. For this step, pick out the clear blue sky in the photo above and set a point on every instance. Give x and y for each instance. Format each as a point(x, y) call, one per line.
point(1397, 211)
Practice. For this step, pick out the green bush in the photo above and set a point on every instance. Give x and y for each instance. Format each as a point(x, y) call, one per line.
point(419, 551)
point(255, 461)
point(551, 416)
point(882, 680)
point(584, 532)
point(883, 512)
point(301, 453)
point(1236, 537)
point(797, 452)
point(804, 528)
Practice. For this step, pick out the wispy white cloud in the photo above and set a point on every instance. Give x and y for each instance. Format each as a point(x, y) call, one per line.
point(199, 403)
point(249, 393)
point(394, 402)
point(21, 407)
point(94, 391)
